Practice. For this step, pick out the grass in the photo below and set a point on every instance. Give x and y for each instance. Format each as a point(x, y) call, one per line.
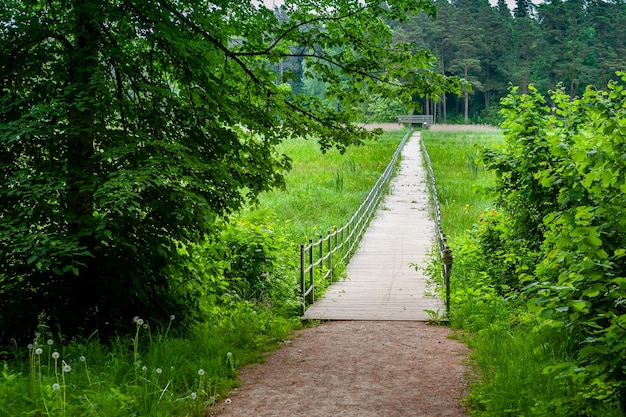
point(461, 178)
point(158, 371)
point(324, 191)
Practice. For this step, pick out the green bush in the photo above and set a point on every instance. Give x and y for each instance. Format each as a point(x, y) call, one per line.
point(561, 183)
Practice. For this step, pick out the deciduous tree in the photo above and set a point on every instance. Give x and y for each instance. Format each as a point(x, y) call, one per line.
point(128, 126)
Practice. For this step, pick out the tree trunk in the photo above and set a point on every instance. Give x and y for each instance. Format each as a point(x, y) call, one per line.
point(466, 97)
point(82, 65)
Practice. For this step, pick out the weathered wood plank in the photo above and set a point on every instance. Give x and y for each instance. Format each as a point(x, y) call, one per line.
point(382, 283)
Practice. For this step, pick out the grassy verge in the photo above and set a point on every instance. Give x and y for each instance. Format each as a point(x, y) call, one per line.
point(159, 371)
point(509, 355)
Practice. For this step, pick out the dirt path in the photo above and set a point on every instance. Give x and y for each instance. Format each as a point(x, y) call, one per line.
point(356, 369)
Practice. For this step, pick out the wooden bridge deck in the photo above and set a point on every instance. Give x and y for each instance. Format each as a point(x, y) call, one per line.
point(381, 283)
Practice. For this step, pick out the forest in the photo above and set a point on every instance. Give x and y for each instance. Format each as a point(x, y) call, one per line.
point(572, 43)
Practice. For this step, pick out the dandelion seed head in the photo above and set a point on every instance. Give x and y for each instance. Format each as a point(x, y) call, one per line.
point(145, 325)
point(37, 335)
point(200, 372)
point(38, 351)
point(228, 401)
point(172, 317)
point(67, 368)
point(194, 396)
point(159, 371)
point(136, 319)
point(139, 322)
point(144, 368)
point(229, 354)
point(50, 342)
point(55, 355)
point(82, 359)
point(172, 368)
point(55, 387)
point(30, 346)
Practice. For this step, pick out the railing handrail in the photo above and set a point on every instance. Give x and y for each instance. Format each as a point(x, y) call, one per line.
point(344, 240)
point(445, 253)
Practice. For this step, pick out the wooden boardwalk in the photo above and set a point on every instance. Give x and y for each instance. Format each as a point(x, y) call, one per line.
point(381, 282)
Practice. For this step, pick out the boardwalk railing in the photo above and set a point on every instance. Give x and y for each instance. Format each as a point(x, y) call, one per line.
point(445, 252)
point(323, 256)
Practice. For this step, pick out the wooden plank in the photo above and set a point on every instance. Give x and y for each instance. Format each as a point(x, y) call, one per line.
point(382, 283)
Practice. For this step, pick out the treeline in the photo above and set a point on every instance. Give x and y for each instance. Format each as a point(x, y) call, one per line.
point(573, 43)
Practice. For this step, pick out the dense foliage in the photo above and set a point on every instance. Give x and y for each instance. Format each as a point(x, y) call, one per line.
point(549, 262)
point(128, 129)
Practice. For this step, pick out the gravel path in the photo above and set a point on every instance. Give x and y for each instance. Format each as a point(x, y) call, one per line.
point(356, 369)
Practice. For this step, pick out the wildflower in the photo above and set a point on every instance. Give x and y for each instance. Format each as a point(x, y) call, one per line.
point(55, 387)
point(139, 322)
point(194, 396)
point(67, 368)
point(172, 317)
point(38, 351)
point(55, 355)
point(144, 368)
point(145, 325)
point(82, 359)
point(50, 342)
point(30, 346)
point(229, 354)
point(228, 401)
point(200, 372)
point(159, 371)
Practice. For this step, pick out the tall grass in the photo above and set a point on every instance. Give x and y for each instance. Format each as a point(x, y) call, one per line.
point(461, 178)
point(158, 370)
point(509, 352)
point(324, 190)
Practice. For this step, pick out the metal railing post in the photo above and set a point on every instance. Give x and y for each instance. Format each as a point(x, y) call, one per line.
point(302, 281)
point(330, 257)
point(311, 274)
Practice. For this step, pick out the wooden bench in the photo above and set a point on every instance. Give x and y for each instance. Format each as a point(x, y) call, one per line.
point(415, 119)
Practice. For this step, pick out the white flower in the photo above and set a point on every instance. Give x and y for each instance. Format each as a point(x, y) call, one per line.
point(194, 396)
point(228, 401)
point(172, 317)
point(159, 371)
point(38, 351)
point(229, 354)
point(200, 372)
point(67, 368)
point(55, 355)
point(144, 368)
point(55, 387)
point(50, 342)
point(82, 359)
